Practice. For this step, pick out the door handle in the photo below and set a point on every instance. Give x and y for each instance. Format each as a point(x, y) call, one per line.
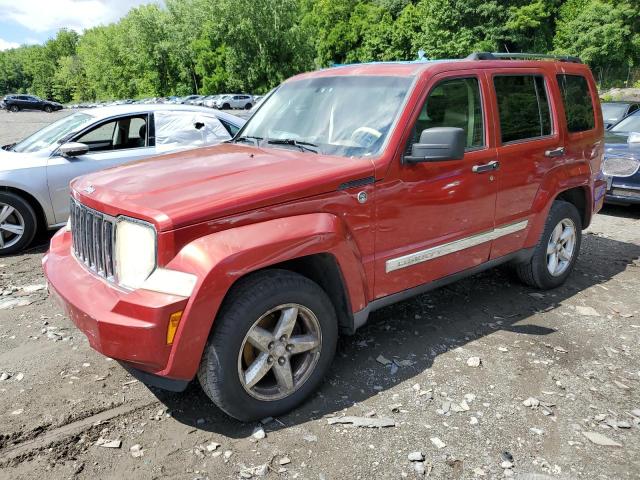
point(487, 167)
point(556, 152)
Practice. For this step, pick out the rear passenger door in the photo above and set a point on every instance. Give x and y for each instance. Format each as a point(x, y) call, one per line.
point(529, 143)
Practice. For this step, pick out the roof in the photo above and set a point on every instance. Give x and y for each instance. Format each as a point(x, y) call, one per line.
point(475, 60)
point(113, 110)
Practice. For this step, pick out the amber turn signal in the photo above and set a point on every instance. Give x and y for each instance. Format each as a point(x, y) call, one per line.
point(174, 321)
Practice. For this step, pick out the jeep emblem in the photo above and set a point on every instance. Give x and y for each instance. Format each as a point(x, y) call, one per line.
point(362, 197)
point(89, 189)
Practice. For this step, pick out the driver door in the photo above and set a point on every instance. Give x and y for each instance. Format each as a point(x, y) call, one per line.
point(435, 218)
point(111, 142)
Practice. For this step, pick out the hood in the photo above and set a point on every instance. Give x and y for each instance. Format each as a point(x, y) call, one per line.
point(14, 161)
point(203, 184)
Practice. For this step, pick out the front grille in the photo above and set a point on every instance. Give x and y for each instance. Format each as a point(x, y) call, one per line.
point(620, 166)
point(93, 236)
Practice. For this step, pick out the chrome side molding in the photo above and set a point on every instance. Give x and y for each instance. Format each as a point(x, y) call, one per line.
point(455, 246)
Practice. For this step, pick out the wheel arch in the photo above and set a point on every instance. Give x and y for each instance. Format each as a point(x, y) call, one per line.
point(579, 197)
point(317, 246)
point(323, 269)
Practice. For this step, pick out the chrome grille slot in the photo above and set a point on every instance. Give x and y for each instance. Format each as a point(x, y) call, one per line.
point(93, 236)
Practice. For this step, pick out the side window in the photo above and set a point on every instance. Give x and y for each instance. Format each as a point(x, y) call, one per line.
point(578, 105)
point(123, 133)
point(232, 129)
point(137, 132)
point(100, 138)
point(453, 103)
point(523, 106)
point(187, 129)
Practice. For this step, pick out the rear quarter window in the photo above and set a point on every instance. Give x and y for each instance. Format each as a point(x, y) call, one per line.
point(523, 106)
point(578, 104)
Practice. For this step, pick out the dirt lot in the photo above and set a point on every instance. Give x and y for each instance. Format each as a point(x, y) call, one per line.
point(574, 350)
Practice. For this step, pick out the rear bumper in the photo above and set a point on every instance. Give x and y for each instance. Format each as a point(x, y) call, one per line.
point(128, 326)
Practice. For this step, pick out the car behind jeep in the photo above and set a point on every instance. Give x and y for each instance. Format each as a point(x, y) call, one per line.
point(241, 264)
point(15, 103)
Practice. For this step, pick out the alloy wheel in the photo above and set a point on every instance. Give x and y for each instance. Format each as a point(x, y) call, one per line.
point(561, 247)
point(279, 352)
point(11, 226)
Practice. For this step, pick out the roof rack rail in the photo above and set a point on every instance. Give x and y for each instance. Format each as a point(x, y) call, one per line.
point(522, 56)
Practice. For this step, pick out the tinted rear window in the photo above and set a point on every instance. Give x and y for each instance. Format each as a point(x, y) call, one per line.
point(577, 101)
point(524, 107)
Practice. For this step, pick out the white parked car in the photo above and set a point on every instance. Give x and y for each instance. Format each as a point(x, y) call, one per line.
point(240, 101)
point(35, 172)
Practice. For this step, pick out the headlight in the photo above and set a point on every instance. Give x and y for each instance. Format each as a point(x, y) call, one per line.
point(135, 252)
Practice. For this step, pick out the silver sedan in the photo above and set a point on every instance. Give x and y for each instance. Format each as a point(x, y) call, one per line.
point(35, 172)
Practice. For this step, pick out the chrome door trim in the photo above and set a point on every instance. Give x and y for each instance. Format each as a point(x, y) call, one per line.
point(452, 247)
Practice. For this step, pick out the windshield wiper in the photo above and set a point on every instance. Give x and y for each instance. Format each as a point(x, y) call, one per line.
point(247, 138)
point(304, 146)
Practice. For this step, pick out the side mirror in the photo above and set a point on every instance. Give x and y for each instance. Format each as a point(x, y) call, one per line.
point(73, 149)
point(438, 144)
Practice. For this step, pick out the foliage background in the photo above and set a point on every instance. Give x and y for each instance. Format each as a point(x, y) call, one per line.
point(212, 46)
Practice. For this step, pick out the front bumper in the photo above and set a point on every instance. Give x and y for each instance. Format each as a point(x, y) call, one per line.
point(128, 326)
point(623, 192)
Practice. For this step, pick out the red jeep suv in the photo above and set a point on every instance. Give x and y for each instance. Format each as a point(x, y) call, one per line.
point(349, 189)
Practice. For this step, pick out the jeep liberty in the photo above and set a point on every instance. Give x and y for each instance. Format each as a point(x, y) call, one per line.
point(349, 189)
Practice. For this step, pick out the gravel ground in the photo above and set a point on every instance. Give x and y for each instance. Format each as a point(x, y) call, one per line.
point(557, 378)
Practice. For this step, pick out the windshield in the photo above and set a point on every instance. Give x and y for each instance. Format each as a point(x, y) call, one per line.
point(349, 116)
point(629, 124)
point(612, 112)
point(52, 133)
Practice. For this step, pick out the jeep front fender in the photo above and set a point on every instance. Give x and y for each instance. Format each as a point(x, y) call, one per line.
point(218, 260)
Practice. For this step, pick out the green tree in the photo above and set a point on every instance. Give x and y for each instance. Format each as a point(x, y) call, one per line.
point(605, 34)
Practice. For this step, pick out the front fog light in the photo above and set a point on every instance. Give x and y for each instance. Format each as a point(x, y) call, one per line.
point(135, 252)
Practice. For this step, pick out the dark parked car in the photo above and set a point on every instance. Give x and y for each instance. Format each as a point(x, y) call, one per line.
point(613, 112)
point(622, 161)
point(15, 103)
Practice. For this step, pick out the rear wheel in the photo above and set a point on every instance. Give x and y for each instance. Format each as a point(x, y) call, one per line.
point(14, 108)
point(271, 346)
point(48, 109)
point(557, 251)
point(17, 223)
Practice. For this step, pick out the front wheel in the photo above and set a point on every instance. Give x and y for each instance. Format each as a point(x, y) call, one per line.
point(272, 344)
point(14, 108)
point(248, 106)
point(18, 223)
point(556, 253)
point(226, 106)
point(48, 109)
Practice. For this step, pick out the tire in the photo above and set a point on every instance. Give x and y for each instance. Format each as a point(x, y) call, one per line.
point(15, 212)
point(537, 271)
point(48, 109)
point(14, 108)
point(225, 355)
point(226, 106)
point(248, 106)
